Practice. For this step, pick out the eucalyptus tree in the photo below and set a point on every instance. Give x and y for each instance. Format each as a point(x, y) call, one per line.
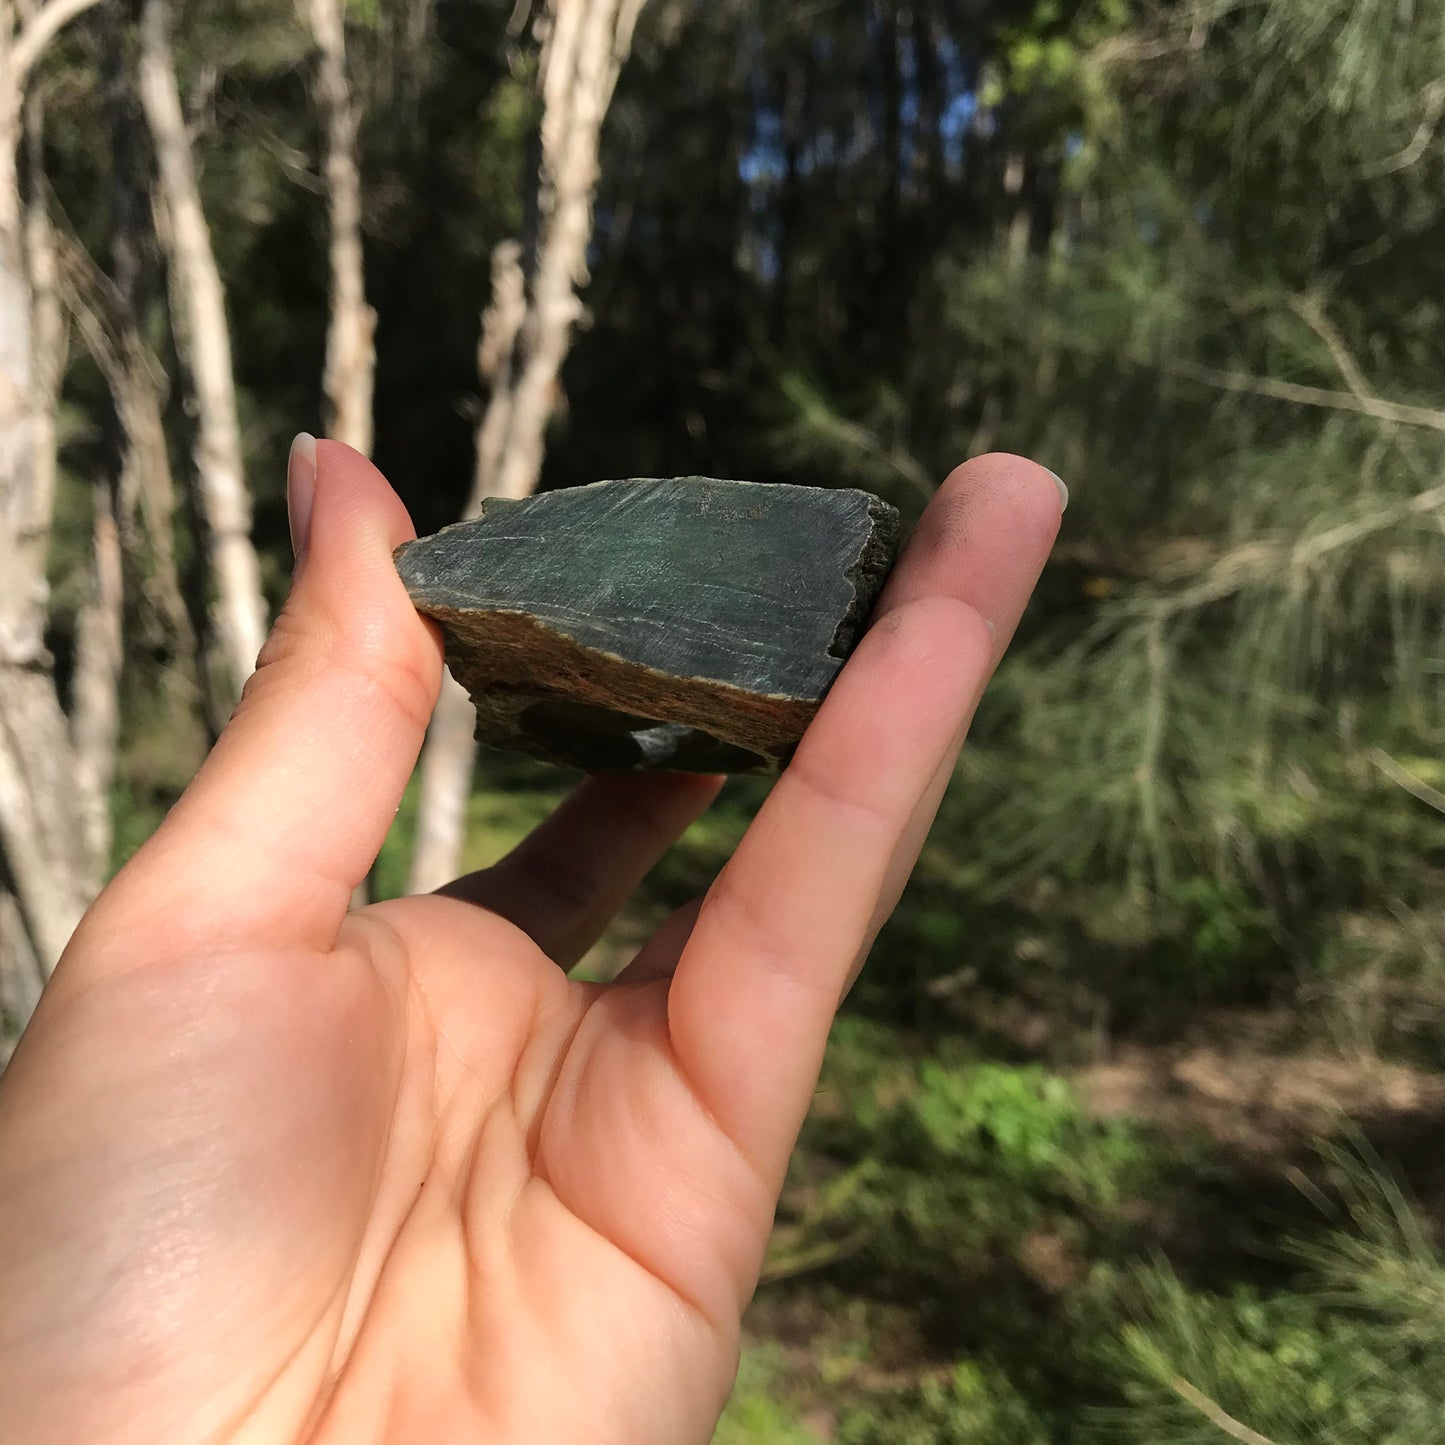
point(581, 46)
point(47, 870)
point(203, 339)
point(350, 378)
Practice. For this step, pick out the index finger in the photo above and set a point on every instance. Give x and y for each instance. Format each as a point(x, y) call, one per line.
point(781, 929)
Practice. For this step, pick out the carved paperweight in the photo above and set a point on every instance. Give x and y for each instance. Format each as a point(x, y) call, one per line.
point(685, 623)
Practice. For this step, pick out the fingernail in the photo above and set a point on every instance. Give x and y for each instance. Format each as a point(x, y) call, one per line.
point(1063, 490)
point(992, 626)
point(301, 491)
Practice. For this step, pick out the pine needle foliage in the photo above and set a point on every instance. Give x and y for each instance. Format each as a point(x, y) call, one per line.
point(1239, 677)
point(1354, 1357)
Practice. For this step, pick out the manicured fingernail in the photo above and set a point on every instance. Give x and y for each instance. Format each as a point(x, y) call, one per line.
point(1063, 490)
point(301, 491)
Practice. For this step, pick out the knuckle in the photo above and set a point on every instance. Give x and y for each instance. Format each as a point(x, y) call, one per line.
point(363, 655)
point(397, 676)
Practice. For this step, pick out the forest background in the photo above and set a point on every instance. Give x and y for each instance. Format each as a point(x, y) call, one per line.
point(1133, 1129)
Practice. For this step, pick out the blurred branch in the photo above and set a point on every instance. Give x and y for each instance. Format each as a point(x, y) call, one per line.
point(1185, 33)
point(1416, 787)
point(1215, 1414)
point(1132, 49)
point(39, 31)
point(1147, 774)
point(787, 1263)
point(1309, 310)
point(845, 435)
point(1240, 566)
point(137, 383)
point(521, 14)
point(1434, 97)
point(1250, 385)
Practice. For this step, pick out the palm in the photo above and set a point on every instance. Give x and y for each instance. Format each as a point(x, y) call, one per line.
point(268, 1173)
point(537, 1138)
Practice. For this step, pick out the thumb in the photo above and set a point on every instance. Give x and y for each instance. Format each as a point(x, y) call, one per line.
point(290, 809)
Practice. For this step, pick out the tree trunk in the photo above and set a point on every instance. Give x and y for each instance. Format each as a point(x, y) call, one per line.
point(45, 877)
point(525, 335)
point(350, 341)
point(107, 310)
point(349, 379)
point(95, 701)
point(1016, 204)
point(49, 340)
point(95, 689)
point(204, 344)
point(22, 977)
point(929, 36)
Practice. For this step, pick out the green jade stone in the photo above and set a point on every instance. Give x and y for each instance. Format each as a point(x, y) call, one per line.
point(681, 624)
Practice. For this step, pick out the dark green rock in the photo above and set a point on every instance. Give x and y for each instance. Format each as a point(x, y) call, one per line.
point(685, 624)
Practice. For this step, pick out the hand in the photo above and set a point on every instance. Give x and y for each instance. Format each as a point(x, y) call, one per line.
point(272, 1171)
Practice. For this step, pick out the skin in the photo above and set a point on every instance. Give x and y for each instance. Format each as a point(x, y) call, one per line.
point(273, 1171)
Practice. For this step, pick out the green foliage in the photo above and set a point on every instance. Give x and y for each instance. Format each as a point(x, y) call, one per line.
point(1278, 1366)
point(755, 1415)
point(1352, 1357)
point(1285, 1367)
point(940, 1165)
point(1252, 630)
point(1024, 1123)
point(972, 1405)
point(1383, 1259)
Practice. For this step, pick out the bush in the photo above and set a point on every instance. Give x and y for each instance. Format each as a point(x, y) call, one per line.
point(974, 1405)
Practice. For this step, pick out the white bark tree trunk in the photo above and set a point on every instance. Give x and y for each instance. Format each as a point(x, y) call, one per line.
point(1020, 223)
point(525, 335)
point(46, 879)
point(105, 305)
point(350, 343)
point(95, 687)
point(349, 381)
point(49, 338)
point(204, 344)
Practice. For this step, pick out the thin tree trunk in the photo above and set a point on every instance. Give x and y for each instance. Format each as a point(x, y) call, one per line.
point(893, 92)
point(204, 343)
point(45, 878)
point(350, 375)
point(929, 35)
point(107, 310)
point(417, 24)
point(95, 702)
point(526, 332)
point(446, 783)
point(95, 688)
point(1016, 204)
point(350, 341)
point(49, 341)
point(21, 980)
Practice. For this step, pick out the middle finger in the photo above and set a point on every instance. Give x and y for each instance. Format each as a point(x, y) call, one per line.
point(563, 884)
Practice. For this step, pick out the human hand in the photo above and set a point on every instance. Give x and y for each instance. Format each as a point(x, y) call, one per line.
point(271, 1171)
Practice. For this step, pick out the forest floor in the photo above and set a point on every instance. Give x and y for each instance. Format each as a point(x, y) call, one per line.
point(1237, 1095)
